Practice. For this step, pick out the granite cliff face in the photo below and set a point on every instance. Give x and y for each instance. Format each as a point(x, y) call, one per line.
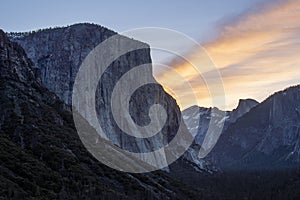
point(59, 52)
point(265, 137)
point(41, 154)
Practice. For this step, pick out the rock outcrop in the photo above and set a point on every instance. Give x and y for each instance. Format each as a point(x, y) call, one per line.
point(59, 52)
point(41, 154)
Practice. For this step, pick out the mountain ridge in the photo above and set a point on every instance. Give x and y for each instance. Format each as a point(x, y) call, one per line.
point(268, 129)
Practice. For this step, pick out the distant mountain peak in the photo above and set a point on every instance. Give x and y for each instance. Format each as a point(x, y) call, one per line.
point(244, 106)
point(247, 101)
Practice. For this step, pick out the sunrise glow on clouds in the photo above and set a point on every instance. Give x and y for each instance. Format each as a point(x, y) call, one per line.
point(257, 54)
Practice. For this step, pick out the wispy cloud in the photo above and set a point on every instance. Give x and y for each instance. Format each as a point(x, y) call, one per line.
point(257, 54)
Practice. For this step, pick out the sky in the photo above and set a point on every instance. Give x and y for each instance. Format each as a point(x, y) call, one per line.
point(256, 53)
point(194, 17)
point(253, 43)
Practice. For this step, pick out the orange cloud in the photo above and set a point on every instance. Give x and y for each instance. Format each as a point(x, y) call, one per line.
point(256, 55)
